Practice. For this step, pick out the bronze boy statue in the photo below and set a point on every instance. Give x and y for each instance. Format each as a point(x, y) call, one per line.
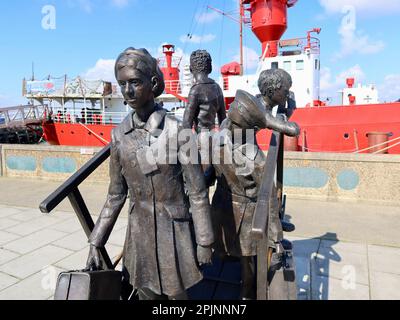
point(206, 100)
point(205, 103)
point(159, 257)
point(239, 179)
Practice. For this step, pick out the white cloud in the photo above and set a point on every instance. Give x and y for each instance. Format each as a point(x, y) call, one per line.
point(389, 90)
point(368, 7)
point(352, 40)
point(120, 3)
point(198, 39)
point(87, 5)
point(103, 70)
point(207, 17)
point(329, 85)
point(250, 58)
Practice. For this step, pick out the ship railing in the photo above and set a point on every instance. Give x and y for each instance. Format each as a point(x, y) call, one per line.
point(22, 115)
point(176, 61)
point(302, 45)
point(88, 116)
point(178, 86)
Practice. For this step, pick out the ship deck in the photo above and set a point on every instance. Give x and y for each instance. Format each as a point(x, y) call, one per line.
point(343, 250)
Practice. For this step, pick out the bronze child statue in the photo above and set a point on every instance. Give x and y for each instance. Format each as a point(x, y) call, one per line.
point(274, 85)
point(239, 179)
point(205, 102)
point(160, 259)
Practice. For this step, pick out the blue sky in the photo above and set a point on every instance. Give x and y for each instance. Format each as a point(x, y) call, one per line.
point(89, 34)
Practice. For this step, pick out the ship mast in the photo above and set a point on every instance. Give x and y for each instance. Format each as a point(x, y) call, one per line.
point(241, 11)
point(240, 21)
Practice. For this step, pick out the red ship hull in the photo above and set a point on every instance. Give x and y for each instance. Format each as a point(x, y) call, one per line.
point(341, 129)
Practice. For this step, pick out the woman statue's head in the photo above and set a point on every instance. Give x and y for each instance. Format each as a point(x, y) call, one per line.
point(139, 77)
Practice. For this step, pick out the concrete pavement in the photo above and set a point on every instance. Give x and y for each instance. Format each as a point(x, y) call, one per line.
point(342, 250)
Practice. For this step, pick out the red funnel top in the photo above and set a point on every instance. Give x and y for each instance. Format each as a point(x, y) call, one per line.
point(168, 50)
point(269, 22)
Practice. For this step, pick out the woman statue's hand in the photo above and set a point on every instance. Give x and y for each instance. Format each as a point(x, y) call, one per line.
point(204, 255)
point(94, 261)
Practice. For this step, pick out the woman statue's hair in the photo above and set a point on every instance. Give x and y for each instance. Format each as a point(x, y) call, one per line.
point(142, 60)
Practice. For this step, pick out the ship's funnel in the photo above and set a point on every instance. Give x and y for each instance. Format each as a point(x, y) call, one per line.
point(170, 69)
point(168, 50)
point(269, 22)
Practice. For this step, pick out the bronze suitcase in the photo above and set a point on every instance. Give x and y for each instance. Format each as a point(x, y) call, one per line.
point(89, 285)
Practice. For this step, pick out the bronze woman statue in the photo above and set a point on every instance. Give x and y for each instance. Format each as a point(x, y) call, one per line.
point(160, 257)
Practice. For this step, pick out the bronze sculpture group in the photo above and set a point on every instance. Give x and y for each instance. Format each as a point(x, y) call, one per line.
point(172, 229)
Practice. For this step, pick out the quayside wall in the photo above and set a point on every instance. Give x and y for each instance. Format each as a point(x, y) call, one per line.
point(317, 176)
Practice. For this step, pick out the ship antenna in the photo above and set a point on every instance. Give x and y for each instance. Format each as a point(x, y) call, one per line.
point(241, 12)
point(241, 22)
point(33, 71)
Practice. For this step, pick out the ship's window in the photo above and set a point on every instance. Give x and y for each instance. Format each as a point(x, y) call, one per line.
point(346, 135)
point(299, 64)
point(274, 65)
point(287, 65)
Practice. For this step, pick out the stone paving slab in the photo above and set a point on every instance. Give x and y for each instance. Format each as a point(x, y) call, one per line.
point(70, 225)
point(384, 259)
point(8, 211)
point(385, 286)
point(6, 256)
point(339, 264)
point(7, 223)
point(360, 248)
point(6, 280)
point(6, 237)
point(39, 286)
point(75, 241)
point(26, 215)
point(325, 288)
point(34, 241)
point(34, 261)
point(41, 222)
point(118, 237)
